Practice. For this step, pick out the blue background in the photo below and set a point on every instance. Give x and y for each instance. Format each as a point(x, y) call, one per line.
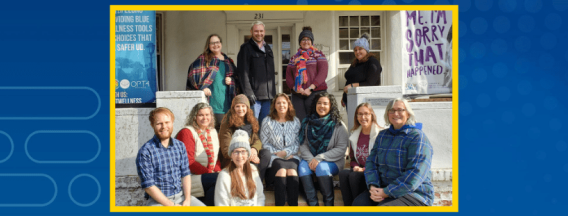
point(512, 115)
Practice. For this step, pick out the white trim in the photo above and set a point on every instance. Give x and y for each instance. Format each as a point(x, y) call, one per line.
point(162, 77)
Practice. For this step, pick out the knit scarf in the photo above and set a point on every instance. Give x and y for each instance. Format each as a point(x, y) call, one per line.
point(208, 146)
point(300, 62)
point(201, 76)
point(319, 132)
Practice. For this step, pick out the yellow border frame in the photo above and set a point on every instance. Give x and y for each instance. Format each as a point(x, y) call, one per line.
point(455, 106)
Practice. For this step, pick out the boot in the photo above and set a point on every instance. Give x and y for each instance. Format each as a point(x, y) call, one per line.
point(326, 189)
point(311, 194)
point(279, 191)
point(293, 183)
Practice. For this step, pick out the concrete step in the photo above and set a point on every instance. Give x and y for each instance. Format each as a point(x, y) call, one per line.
point(338, 201)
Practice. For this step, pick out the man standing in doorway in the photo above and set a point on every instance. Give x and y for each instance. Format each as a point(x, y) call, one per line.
point(255, 68)
point(163, 166)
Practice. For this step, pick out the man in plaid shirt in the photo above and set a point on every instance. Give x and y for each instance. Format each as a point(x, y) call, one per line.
point(163, 166)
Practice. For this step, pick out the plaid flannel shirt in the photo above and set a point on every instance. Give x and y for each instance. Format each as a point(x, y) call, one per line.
point(400, 164)
point(162, 167)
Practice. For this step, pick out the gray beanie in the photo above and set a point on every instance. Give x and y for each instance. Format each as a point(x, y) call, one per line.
point(306, 33)
point(240, 140)
point(362, 42)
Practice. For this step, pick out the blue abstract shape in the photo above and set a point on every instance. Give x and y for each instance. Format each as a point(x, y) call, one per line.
point(553, 21)
point(507, 6)
point(464, 5)
point(63, 132)
point(478, 25)
point(84, 204)
point(31, 175)
point(11, 144)
point(533, 6)
point(54, 88)
point(501, 24)
point(484, 5)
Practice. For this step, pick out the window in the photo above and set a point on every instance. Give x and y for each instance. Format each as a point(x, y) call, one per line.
point(350, 29)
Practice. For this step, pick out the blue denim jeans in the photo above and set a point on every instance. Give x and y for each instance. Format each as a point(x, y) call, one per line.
point(261, 109)
point(324, 168)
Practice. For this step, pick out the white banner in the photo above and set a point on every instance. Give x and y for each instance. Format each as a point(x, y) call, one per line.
point(426, 52)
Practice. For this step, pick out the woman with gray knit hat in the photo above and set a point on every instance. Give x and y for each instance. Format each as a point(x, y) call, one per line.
point(365, 70)
point(306, 73)
point(239, 183)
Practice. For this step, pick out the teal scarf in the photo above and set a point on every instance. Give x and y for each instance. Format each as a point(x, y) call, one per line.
point(319, 132)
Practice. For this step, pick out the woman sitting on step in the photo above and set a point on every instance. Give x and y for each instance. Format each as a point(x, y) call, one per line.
point(363, 134)
point(239, 183)
point(323, 139)
point(202, 146)
point(279, 135)
point(397, 170)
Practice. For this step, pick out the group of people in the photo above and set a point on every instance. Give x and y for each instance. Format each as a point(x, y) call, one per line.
point(235, 143)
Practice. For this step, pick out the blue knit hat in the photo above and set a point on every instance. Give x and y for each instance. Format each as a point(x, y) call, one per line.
point(362, 42)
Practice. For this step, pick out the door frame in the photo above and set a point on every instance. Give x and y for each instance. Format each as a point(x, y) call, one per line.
point(274, 29)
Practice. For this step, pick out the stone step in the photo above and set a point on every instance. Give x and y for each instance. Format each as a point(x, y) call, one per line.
point(338, 201)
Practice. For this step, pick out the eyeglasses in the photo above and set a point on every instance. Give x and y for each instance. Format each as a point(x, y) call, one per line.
point(215, 43)
point(392, 111)
point(243, 152)
point(363, 114)
point(306, 40)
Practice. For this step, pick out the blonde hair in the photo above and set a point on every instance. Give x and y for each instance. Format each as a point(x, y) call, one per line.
point(258, 22)
point(193, 114)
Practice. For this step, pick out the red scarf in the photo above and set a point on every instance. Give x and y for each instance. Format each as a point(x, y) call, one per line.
point(300, 62)
point(208, 146)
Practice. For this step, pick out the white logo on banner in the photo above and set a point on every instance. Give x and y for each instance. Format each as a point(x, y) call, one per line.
point(124, 83)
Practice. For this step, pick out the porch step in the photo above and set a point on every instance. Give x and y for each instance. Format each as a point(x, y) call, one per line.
point(338, 201)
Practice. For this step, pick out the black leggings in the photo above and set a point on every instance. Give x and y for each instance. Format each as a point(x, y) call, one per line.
point(208, 181)
point(351, 184)
point(264, 155)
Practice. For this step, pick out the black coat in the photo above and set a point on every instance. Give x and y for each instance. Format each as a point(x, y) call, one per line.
point(255, 70)
point(366, 74)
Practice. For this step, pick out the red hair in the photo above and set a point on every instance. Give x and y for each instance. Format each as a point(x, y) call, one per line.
point(236, 121)
point(158, 110)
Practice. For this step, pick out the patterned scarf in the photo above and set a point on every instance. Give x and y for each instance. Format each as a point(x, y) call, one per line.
point(319, 131)
point(208, 146)
point(300, 62)
point(201, 76)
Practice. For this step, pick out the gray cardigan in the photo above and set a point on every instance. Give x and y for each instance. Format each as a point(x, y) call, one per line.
point(335, 150)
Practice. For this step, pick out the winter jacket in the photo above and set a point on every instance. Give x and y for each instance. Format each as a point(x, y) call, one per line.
point(255, 70)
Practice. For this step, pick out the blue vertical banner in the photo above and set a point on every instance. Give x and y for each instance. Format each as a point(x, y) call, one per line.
point(135, 57)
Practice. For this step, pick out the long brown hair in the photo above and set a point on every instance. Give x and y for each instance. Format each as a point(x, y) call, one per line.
point(236, 121)
point(291, 112)
point(356, 123)
point(207, 52)
point(237, 189)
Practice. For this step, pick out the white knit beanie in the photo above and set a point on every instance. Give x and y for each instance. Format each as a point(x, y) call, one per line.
point(240, 140)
